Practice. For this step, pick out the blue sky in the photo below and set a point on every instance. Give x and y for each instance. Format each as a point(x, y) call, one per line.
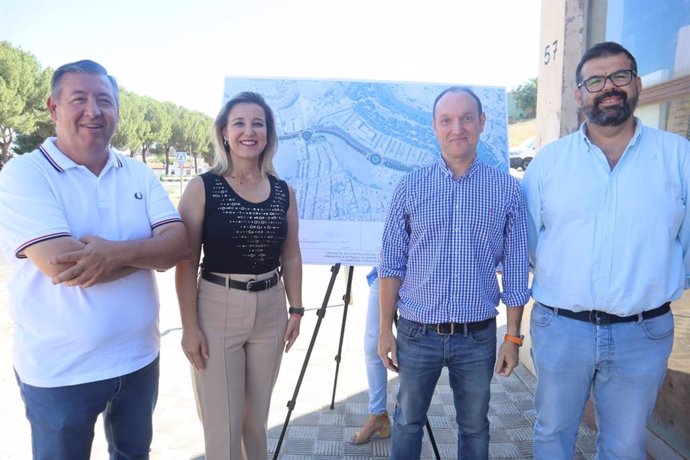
point(181, 51)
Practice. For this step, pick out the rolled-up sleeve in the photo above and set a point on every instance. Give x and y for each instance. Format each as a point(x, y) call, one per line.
point(396, 236)
point(515, 253)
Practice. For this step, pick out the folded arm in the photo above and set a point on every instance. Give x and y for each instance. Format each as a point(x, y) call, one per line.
point(91, 259)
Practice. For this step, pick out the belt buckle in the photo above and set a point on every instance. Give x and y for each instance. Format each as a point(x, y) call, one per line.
point(258, 285)
point(599, 317)
point(440, 332)
point(251, 284)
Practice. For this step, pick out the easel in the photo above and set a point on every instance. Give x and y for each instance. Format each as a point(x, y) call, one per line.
point(321, 312)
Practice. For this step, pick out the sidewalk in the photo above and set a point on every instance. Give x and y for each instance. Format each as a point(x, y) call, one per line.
point(315, 431)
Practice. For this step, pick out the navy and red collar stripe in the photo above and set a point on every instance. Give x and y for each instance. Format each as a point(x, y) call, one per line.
point(59, 168)
point(50, 159)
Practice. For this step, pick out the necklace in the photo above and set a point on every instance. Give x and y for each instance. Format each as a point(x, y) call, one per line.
point(246, 180)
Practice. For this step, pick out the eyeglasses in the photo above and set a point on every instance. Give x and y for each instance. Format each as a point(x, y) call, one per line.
point(597, 83)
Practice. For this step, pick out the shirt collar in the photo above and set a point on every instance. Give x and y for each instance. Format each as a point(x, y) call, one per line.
point(633, 141)
point(469, 173)
point(62, 162)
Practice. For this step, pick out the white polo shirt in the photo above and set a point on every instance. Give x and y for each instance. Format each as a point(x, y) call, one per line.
point(71, 335)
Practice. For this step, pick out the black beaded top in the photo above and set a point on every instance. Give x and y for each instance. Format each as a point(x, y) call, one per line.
point(239, 236)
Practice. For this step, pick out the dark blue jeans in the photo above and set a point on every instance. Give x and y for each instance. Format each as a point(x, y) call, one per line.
point(422, 354)
point(63, 418)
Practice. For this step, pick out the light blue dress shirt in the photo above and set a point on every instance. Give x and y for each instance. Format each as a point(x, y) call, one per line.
point(610, 240)
point(444, 237)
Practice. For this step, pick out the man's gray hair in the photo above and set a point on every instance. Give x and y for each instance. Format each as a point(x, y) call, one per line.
point(83, 66)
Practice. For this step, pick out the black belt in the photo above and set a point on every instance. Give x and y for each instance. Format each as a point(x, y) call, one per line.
point(600, 317)
point(251, 285)
point(459, 328)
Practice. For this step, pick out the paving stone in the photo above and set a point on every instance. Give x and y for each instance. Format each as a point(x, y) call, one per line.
point(521, 433)
point(504, 450)
point(334, 448)
point(499, 435)
point(334, 433)
point(302, 432)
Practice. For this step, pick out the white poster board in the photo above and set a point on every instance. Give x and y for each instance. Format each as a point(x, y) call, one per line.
point(344, 146)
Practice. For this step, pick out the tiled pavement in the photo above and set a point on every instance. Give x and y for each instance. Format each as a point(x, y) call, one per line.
point(315, 431)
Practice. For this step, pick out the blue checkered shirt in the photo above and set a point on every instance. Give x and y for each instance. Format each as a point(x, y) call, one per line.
point(444, 237)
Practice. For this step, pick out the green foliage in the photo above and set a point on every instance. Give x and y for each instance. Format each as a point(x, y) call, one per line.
point(24, 143)
point(24, 87)
point(131, 126)
point(525, 97)
point(192, 133)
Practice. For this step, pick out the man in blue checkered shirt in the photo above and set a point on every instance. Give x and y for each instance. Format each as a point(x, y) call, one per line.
point(449, 225)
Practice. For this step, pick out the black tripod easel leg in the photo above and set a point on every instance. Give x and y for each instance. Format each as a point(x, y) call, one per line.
point(321, 312)
point(433, 440)
point(346, 299)
point(428, 425)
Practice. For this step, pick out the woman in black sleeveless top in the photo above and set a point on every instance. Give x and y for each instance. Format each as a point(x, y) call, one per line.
point(234, 316)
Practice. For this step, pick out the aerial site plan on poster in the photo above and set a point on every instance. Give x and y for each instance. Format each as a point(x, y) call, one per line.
point(344, 146)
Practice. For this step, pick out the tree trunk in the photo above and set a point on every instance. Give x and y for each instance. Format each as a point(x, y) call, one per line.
point(144, 151)
point(167, 161)
point(6, 138)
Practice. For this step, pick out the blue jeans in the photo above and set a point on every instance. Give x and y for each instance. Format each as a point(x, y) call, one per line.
point(377, 376)
point(623, 365)
point(63, 418)
point(422, 354)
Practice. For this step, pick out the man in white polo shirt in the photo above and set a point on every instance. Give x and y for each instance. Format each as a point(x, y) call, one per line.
point(83, 229)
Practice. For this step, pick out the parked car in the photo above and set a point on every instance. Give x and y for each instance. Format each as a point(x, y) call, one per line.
point(521, 155)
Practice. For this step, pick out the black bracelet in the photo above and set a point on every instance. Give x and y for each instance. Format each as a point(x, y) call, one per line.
point(296, 311)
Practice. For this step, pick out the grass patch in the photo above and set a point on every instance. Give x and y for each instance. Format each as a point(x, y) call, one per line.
point(521, 131)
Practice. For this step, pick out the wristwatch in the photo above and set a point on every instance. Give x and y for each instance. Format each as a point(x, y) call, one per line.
point(299, 311)
point(514, 339)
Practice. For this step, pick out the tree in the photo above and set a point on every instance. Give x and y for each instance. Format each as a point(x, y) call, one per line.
point(176, 138)
point(24, 143)
point(159, 126)
point(191, 133)
point(24, 87)
point(200, 137)
point(525, 97)
point(131, 127)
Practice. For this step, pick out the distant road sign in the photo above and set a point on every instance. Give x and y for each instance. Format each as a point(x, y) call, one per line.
point(181, 157)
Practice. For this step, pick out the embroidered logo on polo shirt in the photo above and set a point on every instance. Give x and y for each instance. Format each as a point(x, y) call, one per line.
point(138, 195)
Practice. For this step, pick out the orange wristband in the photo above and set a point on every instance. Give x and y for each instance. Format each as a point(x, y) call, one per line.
point(513, 339)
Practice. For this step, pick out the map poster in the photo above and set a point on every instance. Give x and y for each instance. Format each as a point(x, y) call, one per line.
point(345, 145)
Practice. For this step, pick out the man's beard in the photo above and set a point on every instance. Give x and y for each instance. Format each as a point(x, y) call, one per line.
point(612, 115)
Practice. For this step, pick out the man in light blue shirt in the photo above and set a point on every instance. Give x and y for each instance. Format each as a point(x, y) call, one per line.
point(449, 225)
point(609, 236)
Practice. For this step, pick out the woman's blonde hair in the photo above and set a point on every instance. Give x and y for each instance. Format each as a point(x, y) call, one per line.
point(222, 163)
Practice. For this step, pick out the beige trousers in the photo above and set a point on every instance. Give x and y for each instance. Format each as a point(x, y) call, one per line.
point(244, 331)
